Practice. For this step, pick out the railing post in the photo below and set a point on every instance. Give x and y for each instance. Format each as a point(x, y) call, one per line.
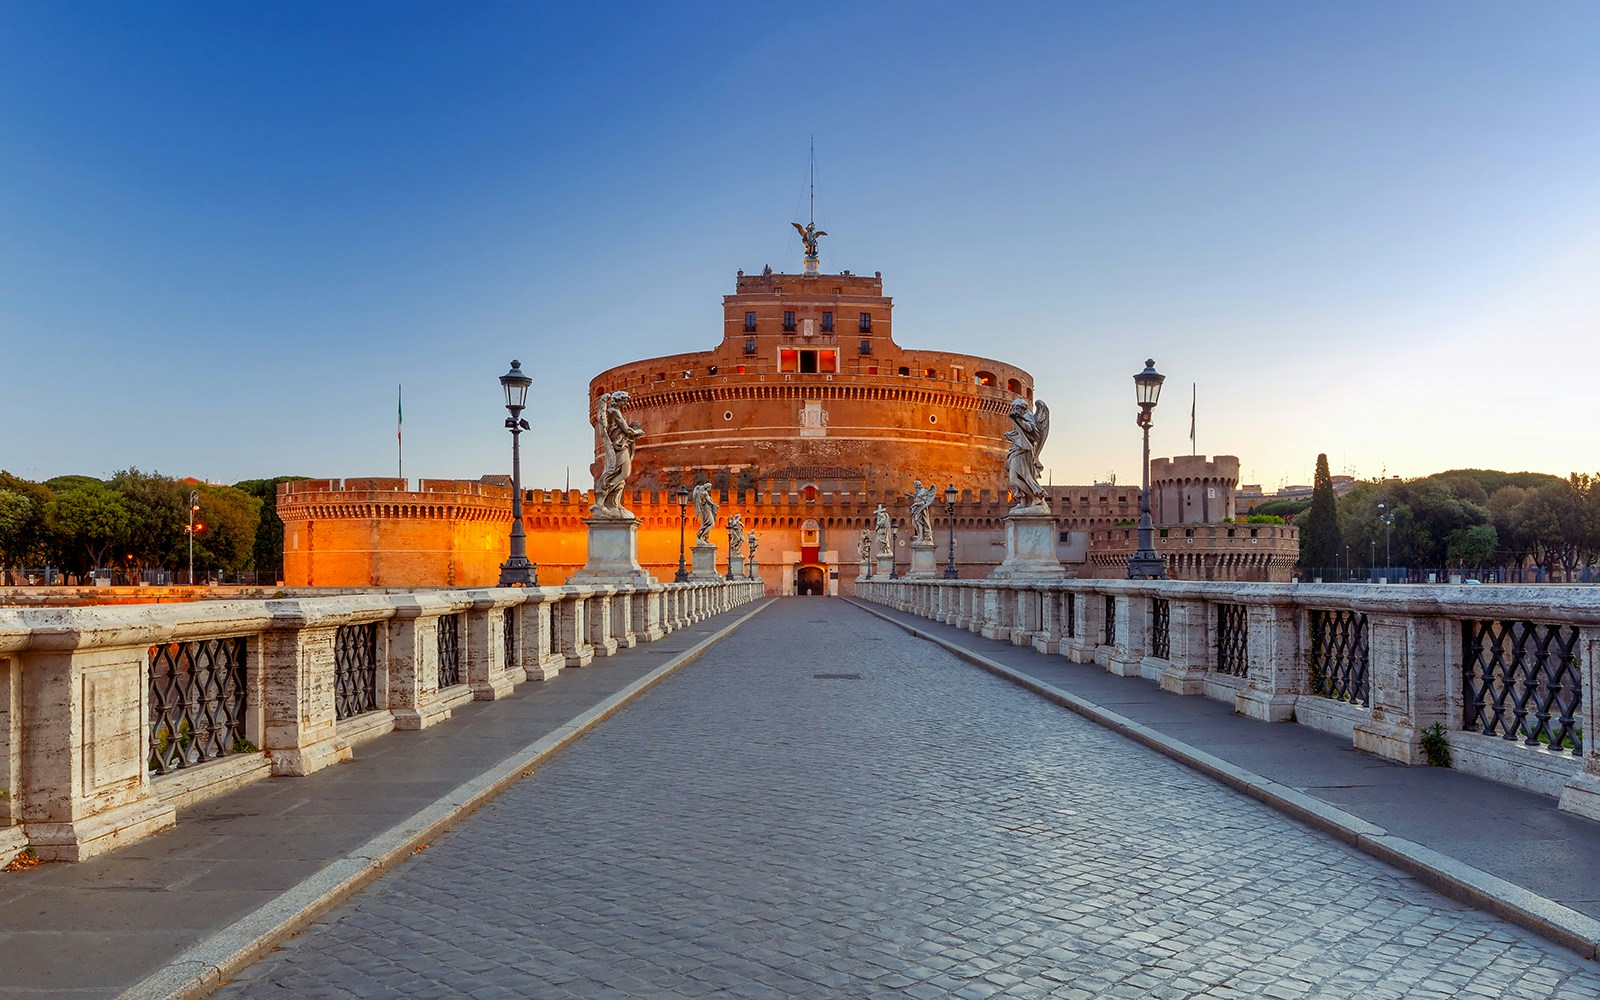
point(574, 628)
point(299, 726)
point(1277, 665)
point(83, 781)
point(1582, 792)
point(1047, 639)
point(994, 620)
point(647, 612)
point(1026, 615)
point(1189, 639)
point(1409, 666)
point(1131, 644)
point(1080, 644)
point(12, 839)
point(413, 664)
point(484, 644)
point(541, 646)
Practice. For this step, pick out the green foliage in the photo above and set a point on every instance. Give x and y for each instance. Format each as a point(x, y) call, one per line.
point(158, 517)
point(242, 745)
point(1286, 509)
point(266, 555)
point(231, 518)
point(1474, 546)
point(1261, 519)
point(1321, 543)
point(92, 519)
point(1435, 747)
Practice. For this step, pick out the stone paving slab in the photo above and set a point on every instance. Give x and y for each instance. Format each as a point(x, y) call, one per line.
point(171, 914)
point(759, 828)
point(1547, 860)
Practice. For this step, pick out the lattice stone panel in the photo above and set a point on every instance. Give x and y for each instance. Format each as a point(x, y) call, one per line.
point(197, 701)
point(1161, 633)
point(355, 670)
point(449, 651)
point(1111, 622)
point(1339, 656)
point(510, 631)
point(1072, 615)
point(1233, 640)
point(1521, 679)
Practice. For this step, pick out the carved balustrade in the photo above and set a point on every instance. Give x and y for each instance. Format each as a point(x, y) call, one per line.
point(112, 718)
point(1506, 673)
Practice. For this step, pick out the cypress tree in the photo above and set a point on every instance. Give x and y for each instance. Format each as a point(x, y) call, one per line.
point(1320, 541)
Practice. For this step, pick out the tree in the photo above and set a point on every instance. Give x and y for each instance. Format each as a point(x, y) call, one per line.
point(90, 520)
point(16, 511)
point(231, 518)
point(1321, 544)
point(266, 556)
point(1472, 547)
point(158, 513)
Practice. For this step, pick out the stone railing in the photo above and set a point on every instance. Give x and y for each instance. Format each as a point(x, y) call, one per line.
point(1506, 673)
point(113, 717)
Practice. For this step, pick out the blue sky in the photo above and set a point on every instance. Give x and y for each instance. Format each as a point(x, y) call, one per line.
point(228, 231)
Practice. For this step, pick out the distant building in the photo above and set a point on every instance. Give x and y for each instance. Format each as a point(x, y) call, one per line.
point(804, 417)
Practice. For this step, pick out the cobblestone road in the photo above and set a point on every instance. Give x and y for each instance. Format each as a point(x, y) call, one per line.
point(752, 830)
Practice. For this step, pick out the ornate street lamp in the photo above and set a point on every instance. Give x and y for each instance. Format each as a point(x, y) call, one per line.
point(951, 494)
point(683, 515)
point(194, 505)
point(517, 571)
point(1146, 563)
point(894, 555)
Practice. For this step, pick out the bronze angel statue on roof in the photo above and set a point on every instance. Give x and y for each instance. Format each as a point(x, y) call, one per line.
point(1027, 437)
point(809, 234)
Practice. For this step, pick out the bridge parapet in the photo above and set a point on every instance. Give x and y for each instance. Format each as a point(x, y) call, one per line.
point(112, 718)
point(1506, 674)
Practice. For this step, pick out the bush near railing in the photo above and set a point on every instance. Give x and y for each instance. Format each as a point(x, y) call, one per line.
point(134, 710)
point(1504, 672)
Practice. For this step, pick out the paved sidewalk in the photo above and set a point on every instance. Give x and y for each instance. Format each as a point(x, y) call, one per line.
point(1505, 850)
point(241, 871)
point(825, 807)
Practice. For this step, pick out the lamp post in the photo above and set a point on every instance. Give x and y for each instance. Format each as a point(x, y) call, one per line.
point(894, 555)
point(1388, 553)
point(194, 505)
point(950, 496)
point(517, 571)
point(1374, 561)
point(683, 516)
point(1146, 563)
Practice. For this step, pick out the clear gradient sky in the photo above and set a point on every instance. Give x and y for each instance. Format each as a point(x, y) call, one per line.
point(229, 230)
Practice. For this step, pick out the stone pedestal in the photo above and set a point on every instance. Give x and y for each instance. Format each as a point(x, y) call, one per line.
point(735, 566)
point(885, 566)
point(1030, 546)
point(613, 553)
point(923, 564)
point(865, 572)
point(704, 562)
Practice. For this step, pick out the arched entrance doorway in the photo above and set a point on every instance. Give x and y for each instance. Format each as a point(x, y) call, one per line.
point(810, 580)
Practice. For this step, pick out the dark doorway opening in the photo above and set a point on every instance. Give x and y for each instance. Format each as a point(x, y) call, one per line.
point(810, 580)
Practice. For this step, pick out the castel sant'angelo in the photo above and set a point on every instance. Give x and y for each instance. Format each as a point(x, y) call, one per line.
point(803, 419)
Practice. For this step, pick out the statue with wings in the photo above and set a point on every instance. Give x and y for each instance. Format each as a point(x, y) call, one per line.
point(1027, 436)
point(809, 233)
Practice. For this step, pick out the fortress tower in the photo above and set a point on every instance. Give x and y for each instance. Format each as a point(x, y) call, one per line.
point(808, 377)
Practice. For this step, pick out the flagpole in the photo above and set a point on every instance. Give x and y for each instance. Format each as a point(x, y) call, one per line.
point(399, 429)
point(1194, 400)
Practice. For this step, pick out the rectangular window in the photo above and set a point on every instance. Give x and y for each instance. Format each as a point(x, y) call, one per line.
point(827, 322)
point(804, 361)
point(788, 320)
point(866, 322)
point(749, 322)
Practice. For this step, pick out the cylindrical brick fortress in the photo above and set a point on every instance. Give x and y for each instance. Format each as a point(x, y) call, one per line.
point(808, 374)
